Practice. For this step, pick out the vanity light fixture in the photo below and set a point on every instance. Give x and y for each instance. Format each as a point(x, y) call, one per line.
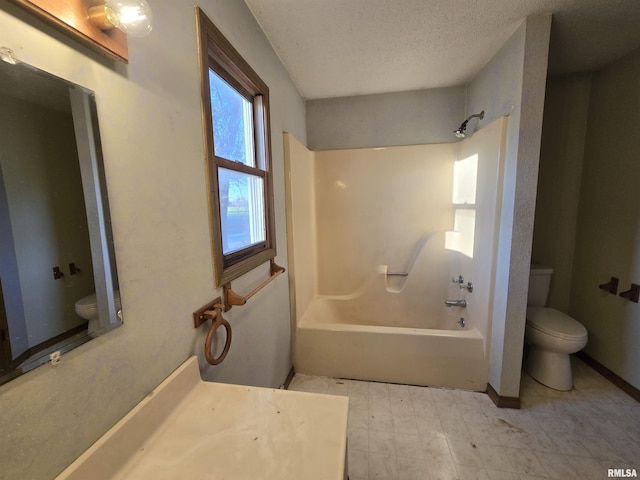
point(133, 17)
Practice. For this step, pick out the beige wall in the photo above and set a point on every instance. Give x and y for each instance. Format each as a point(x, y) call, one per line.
point(563, 137)
point(374, 206)
point(587, 218)
point(151, 128)
point(352, 210)
point(301, 226)
point(608, 229)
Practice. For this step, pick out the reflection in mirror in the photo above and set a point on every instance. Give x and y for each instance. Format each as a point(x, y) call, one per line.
point(58, 281)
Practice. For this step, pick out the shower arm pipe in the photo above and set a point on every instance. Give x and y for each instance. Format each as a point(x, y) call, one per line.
point(476, 115)
point(460, 131)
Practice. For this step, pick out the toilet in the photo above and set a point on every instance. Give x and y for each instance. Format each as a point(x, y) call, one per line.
point(87, 307)
point(551, 335)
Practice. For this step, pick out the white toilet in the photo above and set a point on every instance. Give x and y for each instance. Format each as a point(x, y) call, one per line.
point(552, 336)
point(87, 307)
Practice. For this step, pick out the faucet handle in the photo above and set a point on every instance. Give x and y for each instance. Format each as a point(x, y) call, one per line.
point(459, 280)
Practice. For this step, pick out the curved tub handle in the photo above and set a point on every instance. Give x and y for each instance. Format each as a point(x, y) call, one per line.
point(218, 320)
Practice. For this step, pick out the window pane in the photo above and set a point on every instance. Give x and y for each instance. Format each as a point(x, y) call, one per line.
point(232, 122)
point(463, 236)
point(465, 175)
point(242, 211)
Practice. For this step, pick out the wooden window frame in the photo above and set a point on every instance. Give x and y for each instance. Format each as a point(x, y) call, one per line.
point(217, 53)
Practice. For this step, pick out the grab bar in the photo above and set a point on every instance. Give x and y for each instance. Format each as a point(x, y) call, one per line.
point(397, 274)
point(456, 303)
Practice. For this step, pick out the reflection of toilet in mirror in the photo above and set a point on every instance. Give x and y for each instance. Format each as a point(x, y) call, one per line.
point(87, 307)
point(551, 335)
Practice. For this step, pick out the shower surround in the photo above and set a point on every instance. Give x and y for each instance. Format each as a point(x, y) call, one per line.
point(375, 237)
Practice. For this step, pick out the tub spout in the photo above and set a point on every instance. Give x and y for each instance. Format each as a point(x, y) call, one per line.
point(456, 303)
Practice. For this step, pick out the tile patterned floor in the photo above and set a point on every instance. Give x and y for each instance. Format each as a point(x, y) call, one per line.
point(400, 432)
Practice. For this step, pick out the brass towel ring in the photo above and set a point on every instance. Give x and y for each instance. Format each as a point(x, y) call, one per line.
point(217, 321)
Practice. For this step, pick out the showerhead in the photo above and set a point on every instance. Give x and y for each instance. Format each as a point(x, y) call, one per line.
point(459, 133)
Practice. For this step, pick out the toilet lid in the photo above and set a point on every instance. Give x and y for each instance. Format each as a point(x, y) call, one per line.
point(91, 301)
point(555, 323)
point(88, 301)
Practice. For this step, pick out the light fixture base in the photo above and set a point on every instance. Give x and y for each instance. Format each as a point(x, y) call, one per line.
point(98, 17)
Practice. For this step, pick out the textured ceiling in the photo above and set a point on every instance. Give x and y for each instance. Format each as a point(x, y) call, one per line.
point(335, 48)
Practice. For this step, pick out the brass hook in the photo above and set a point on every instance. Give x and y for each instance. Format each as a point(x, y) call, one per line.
point(633, 294)
point(611, 286)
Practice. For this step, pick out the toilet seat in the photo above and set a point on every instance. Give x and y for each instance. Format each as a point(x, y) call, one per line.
point(90, 303)
point(556, 324)
point(86, 305)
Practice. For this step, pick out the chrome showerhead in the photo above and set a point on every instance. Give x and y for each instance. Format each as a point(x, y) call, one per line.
point(459, 133)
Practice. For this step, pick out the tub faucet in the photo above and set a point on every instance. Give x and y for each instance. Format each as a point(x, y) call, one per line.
point(456, 303)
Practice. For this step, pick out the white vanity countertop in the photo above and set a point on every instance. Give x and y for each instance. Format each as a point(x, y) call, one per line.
point(191, 429)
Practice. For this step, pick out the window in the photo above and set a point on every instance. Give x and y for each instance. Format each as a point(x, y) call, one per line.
point(236, 118)
point(465, 181)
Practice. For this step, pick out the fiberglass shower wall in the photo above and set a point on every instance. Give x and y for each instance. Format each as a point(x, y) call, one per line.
point(377, 207)
point(352, 210)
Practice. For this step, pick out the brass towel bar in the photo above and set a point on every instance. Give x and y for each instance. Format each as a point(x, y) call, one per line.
point(231, 298)
point(213, 311)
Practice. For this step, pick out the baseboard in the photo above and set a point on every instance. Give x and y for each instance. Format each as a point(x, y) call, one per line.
point(287, 381)
point(614, 378)
point(500, 401)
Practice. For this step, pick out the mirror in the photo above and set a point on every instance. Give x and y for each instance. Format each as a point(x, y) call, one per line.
point(58, 281)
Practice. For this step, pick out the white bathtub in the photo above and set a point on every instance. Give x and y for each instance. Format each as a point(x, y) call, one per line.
point(333, 339)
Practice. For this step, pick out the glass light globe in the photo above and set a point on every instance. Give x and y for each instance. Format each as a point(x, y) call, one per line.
point(133, 17)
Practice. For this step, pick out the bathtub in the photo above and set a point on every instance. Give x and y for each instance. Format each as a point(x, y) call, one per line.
point(344, 337)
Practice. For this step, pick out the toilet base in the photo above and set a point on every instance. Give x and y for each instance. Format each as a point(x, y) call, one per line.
point(550, 368)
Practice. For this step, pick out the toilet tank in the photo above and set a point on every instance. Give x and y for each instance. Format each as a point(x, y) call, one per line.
point(539, 283)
